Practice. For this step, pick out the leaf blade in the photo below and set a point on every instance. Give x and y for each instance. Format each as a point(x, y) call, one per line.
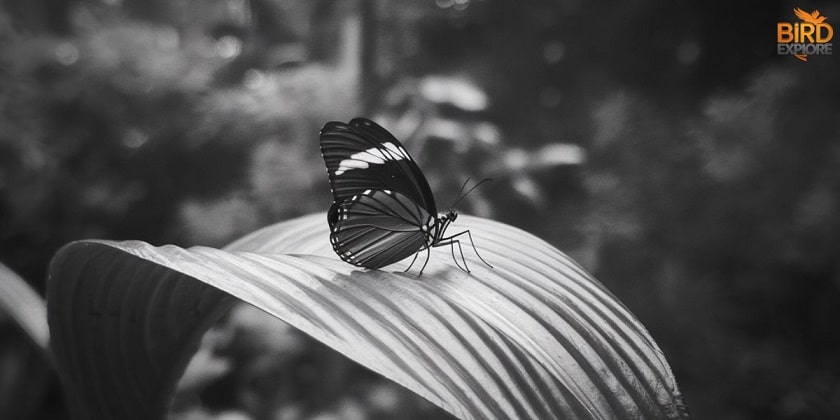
point(535, 338)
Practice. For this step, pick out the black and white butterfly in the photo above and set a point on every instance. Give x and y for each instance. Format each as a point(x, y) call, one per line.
point(383, 210)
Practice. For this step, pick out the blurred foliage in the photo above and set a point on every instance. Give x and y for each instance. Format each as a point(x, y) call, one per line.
point(662, 144)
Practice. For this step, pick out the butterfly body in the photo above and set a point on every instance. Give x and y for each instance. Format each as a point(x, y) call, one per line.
point(383, 210)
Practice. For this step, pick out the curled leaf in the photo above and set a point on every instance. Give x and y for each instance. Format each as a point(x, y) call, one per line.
point(536, 337)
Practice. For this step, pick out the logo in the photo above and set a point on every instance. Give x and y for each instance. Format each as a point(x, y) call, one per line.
point(811, 36)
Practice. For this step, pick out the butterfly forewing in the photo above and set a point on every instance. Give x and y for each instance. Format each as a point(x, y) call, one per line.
point(379, 227)
point(363, 156)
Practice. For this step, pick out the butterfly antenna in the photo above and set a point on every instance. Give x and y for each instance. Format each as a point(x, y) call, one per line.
point(458, 200)
point(459, 193)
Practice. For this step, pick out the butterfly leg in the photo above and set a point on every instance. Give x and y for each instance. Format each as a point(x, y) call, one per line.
point(461, 250)
point(412, 262)
point(476, 251)
point(447, 241)
point(424, 263)
point(451, 242)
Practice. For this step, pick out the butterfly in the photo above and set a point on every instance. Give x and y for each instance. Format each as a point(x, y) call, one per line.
point(383, 210)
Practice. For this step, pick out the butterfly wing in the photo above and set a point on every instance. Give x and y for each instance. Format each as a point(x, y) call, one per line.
point(362, 155)
point(376, 228)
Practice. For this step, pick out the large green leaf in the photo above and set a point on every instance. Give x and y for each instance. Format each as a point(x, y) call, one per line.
point(536, 337)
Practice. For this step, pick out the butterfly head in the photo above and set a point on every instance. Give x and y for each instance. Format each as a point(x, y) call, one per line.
point(450, 215)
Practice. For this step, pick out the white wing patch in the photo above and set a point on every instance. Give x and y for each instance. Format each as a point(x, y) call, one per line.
point(374, 155)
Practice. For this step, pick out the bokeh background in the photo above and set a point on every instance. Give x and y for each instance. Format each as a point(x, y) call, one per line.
point(663, 144)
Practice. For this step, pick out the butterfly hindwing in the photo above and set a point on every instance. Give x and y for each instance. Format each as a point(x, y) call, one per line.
point(376, 228)
point(364, 156)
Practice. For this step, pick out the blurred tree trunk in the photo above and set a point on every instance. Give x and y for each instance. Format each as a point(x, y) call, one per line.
point(346, 35)
point(368, 80)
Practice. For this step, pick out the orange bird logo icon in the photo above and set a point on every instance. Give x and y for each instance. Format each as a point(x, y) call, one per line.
point(813, 17)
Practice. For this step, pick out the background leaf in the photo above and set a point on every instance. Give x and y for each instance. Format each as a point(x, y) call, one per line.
point(25, 305)
point(26, 371)
point(536, 337)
